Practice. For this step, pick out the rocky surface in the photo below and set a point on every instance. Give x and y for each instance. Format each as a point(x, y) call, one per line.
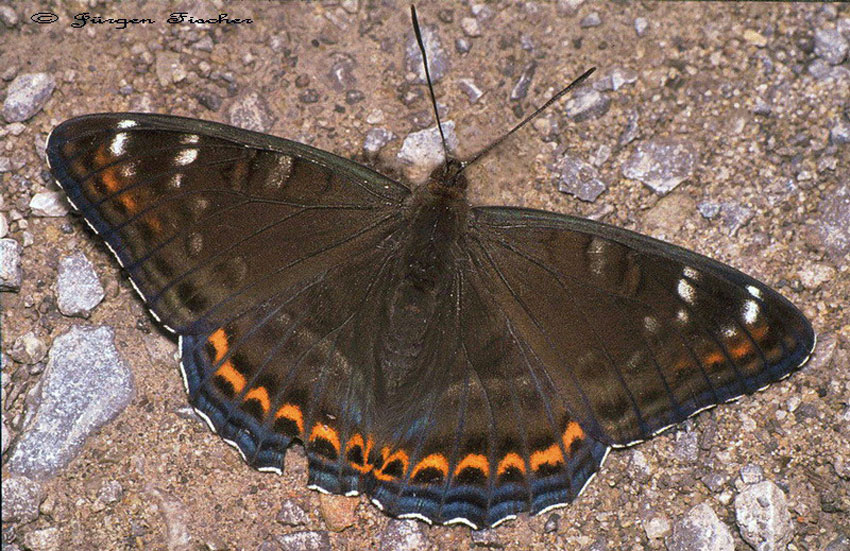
point(84, 385)
point(755, 96)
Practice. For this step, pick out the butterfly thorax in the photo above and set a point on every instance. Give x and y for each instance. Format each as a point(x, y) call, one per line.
point(425, 267)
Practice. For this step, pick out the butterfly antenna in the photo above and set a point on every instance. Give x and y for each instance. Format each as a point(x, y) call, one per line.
point(421, 43)
point(527, 119)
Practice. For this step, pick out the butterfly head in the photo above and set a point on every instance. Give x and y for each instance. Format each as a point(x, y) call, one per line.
point(448, 179)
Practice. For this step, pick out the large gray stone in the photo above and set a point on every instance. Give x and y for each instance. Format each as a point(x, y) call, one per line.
point(84, 386)
point(424, 148)
point(578, 178)
point(761, 512)
point(251, 112)
point(587, 103)
point(830, 46)
point(49, 204)
point(304, 541)
point(27, 95)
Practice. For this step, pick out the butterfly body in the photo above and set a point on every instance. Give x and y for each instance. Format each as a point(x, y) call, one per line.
point(454, 363)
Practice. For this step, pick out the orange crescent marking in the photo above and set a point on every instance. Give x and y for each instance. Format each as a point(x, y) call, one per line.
point(326, 433)
point(473, 461)
point(434, 461)
point(261, 395)
point(714, 358)
point(572, 433)
point(741, 350)
point(357, 441)
point(511, 460)
point(293, 413)
point(550, 456)
point(397, 455)
point(219, 341)
point(229, 373)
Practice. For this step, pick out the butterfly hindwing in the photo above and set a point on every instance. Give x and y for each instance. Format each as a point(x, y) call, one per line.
point(635, 334)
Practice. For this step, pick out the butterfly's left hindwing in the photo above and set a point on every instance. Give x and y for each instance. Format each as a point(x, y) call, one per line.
point(636, 335)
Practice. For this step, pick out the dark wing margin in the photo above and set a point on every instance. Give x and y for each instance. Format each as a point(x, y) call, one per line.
point(195, 210)
point(636, 335)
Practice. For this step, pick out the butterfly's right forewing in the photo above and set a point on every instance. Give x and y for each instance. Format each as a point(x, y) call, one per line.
point(634, 334)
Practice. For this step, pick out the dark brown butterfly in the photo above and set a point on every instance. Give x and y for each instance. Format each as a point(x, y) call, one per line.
point(456, 364)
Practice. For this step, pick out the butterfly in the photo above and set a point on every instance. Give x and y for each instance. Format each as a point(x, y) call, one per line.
point(455, 363)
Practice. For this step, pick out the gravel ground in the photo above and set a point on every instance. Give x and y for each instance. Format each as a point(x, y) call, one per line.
point(723, 127)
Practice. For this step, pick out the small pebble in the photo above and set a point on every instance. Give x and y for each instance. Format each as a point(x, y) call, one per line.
point(10, 265)
point(78, 289)
point(641, 25)
point(590, 20)
point(376, 139)
point(470, 26)
point(831, 46)
point(251, 112)
point(49, 204)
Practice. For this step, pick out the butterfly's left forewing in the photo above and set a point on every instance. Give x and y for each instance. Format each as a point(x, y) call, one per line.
point(636, 335)
point(208, 219)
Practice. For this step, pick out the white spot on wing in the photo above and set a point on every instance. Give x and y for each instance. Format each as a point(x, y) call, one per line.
point(185, 157)
point(690, 273)
point(127, 124)
point(119, 144)
point(651, 324)
point(729, 331)
point(128, 170)
point(682, 316)
point(753, 290)
point(190, 139)
point(750, 312)
point(686, 291)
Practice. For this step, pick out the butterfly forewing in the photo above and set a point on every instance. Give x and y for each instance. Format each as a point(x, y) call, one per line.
point(635, 334)
point(209, 220)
